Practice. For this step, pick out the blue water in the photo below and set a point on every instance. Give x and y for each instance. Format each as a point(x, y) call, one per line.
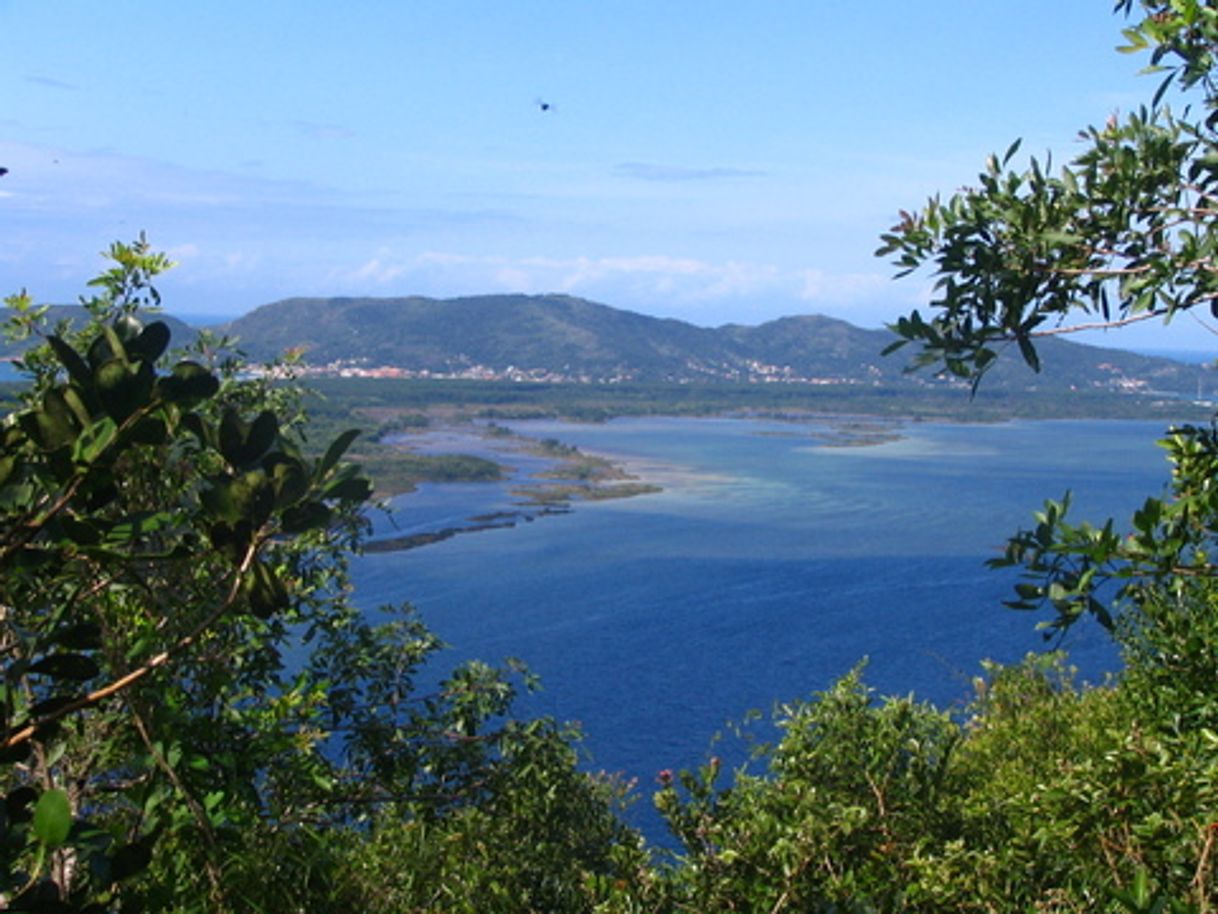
point(768, 566)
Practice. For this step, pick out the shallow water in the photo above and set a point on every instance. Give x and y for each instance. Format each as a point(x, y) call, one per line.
point(768, 566)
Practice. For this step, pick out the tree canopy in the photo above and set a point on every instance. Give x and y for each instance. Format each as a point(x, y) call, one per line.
point(1126, 232)
point(195, 717)
point(1123, 233)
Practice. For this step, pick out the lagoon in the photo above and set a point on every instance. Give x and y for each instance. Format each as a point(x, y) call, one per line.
point(773, 560)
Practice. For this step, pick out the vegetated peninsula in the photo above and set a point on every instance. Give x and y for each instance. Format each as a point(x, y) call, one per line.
point(562, 339)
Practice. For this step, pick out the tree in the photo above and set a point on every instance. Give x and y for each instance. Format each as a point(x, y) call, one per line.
point(1127, 232)
point(193, 715)
point(1040, 795)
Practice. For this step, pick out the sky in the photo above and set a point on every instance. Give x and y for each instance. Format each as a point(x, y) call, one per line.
point(716, 162)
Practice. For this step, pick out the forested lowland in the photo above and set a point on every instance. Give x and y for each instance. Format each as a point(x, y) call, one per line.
point(196, 718)
point(389, 411)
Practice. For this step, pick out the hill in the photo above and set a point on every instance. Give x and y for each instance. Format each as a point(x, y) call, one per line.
point(558, 337)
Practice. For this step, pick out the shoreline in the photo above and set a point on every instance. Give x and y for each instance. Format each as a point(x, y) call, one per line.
point(548, 476)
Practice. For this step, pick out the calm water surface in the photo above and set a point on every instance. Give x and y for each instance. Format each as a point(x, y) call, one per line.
point(768, 566)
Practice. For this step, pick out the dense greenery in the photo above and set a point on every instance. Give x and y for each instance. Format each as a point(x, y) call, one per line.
point(380, 400)
point(196, 719)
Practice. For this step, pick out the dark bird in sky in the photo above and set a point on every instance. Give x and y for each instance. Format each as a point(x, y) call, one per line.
point(3, 171)
point(544, 105)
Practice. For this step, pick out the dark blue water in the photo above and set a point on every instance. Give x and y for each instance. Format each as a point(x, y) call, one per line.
point(767, 568)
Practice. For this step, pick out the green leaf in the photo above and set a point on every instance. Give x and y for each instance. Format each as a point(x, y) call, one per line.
point(188, 381)
point(1011, 150)
point(137, 526)
point(1162, 90)
point(1028, 351)
point(115, 342)
point(262, 435)
point(244, 444)
point(72, 397)
point(151, 343)
point(78, 370)
point(348, 487)
point(8, 463)
point(289, 480)
point(335, 451)
point(265, 591)
point(127, 328)
point(53, 425)
point(248, 497)
point(122, 388)
point(150, 430)
point(310, 515)
point(94, 440)
point(102, 350)
point(52, 818)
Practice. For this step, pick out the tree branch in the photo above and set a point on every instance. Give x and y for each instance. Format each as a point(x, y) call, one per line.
point(1099, 325)
point(28, 732)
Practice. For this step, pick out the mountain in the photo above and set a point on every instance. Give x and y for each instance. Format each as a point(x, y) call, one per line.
point(559, 337)
point(562, 337)
point(553, 333)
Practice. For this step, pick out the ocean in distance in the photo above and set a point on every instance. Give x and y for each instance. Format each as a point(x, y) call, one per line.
point(769, 565)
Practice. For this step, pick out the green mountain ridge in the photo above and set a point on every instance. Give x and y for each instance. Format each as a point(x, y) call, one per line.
point(564, 338)
point(571, 338)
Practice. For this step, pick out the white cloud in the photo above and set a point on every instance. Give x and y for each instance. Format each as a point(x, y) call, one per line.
point(377, 272)
point(819, 284)
point(656, 283)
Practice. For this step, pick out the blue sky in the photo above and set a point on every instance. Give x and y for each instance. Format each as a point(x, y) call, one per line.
point(711, 161)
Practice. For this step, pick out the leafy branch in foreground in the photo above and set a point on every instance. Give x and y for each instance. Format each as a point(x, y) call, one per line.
point(1127, 232)
point(1124, 233)
point(187, 693)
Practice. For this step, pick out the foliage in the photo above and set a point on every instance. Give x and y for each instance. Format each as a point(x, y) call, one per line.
point(1126, 233)
point(1041, 796)
point(195, 716)
point(350, 399)
point(850, 785)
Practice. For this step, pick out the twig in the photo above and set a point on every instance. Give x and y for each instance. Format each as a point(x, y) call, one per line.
point(123, 682)
point(1099, 325)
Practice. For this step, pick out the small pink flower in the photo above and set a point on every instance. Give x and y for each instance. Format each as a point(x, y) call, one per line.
point(665, 777)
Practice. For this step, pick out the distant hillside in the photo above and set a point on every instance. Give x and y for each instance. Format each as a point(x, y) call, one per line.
point(559, 337)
